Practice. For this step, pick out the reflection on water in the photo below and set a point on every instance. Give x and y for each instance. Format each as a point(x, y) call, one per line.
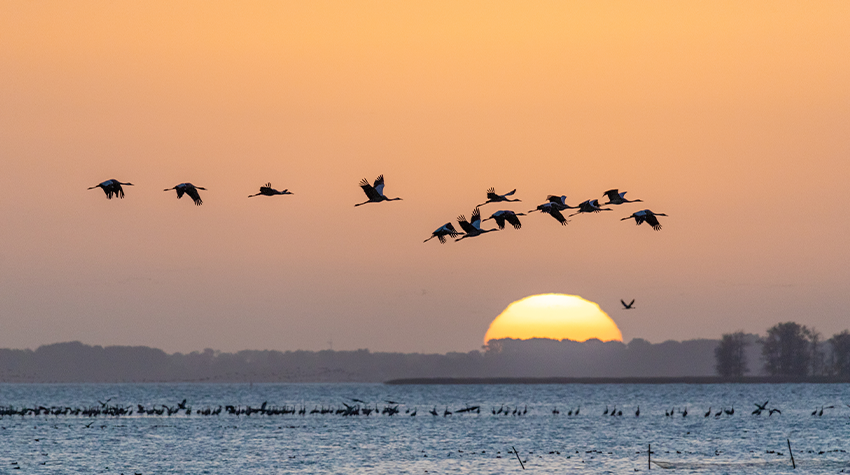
point(457, 443)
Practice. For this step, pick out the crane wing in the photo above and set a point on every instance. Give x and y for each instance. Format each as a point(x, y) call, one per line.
point(553, 211)
point(476, 219)
point(514, 220)
point(379, 185)
point(500, 220)
point(193, 193)
point(371, 193)
point(652, 220)
point(464, 224)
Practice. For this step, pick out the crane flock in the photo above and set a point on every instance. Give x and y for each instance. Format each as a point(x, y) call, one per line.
point(554, 206)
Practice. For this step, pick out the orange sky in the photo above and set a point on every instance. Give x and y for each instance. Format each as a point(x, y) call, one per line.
point(732, 118)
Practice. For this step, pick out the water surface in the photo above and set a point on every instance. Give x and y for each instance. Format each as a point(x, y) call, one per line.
point(459, 443)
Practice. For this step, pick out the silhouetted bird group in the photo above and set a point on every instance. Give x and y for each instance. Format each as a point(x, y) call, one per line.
point(470, 228)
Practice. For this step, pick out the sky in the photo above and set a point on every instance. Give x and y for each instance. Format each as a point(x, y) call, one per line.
point(730, 117)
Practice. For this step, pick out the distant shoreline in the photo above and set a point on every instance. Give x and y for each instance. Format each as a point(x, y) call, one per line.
point(637, 380)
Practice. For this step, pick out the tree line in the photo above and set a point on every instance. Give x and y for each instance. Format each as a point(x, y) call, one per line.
point(789, 349)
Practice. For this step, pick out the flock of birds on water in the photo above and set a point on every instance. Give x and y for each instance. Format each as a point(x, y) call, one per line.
point(358, 407)
point(553, 206)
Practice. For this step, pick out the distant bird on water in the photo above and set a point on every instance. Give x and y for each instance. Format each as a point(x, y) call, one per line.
point(648, 216)
point(627, 306)
point(111, 188)
point(472, 228)
point(492, 197)
point(190, 190)
point(505, 215)
point(617, 198)
point(267, 190)
point(445, 230)
point(374, 192)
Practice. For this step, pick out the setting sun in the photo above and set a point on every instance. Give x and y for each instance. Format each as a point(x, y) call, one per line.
point(555, 316)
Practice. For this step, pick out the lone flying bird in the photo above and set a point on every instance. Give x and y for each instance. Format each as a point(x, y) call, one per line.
point(445, 230)
point(627, 306)
point(267, 190)
point(374, 192)
point(759, 408)
point(589, 206)
point(648, 216)
point(111, 187)
point(492, 197)
point(190, 190)
point(617, 198)
point(472, 228)
point(505, 215)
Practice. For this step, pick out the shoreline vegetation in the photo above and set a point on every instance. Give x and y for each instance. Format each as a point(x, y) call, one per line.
point(789, 353)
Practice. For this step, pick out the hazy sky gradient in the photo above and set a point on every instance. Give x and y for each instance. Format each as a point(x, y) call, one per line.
point(732, 118)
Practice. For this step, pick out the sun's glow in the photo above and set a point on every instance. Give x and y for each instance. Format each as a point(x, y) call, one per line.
point(555, 316)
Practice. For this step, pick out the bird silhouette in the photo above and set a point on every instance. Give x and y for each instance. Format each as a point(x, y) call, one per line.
point(589, 206)
point(708, 412)
point(650, 217)
point(492, 197)
point(504, 215)
point(374, 192)
point(267, 190)
point(560, 202)
point(553, 210)
point(617, 198)
point(472, 228)
point(111, 188)
point(627, 306)
point(445, 230)
point(190, 190)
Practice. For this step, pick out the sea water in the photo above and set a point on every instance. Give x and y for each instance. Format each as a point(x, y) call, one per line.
point(458, 443)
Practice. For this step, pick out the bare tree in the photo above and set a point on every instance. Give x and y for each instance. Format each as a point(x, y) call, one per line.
point(840, 343)
point(729, 355)
point(818, 359)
